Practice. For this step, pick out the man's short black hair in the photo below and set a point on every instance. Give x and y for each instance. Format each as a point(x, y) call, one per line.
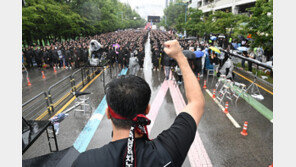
point(127, 96)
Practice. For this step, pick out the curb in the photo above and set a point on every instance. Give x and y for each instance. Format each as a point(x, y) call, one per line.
point(252, 76)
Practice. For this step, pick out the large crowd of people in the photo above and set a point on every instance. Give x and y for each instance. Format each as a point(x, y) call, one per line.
point(126, 48)
point(117, 47)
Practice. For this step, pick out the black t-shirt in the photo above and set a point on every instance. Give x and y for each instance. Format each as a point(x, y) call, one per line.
point(170, 148)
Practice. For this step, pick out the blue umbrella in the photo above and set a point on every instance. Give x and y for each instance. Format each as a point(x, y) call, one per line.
point(213, 38)
point(234, 45)
point(198, 54)
point(242, 48)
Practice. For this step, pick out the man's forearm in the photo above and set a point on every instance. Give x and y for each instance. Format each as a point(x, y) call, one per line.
point(192, 87)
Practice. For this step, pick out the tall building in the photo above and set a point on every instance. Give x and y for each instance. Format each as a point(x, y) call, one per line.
point(234, 6)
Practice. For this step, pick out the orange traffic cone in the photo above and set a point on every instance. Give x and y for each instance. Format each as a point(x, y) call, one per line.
point(54, 69)
point(214, 93)
point(198, 77)
point(244, 132)
point(270, 165)
point(29, 83)
point(43, 76)
point(226, 108)
point(64, 66)
point(205, 84)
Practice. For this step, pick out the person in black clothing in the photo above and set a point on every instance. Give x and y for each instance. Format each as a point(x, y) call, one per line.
point(125, 58)
point(29, 57)
point(67, 57)
point(38, 57)
point(55, 57)
point(141, 56)
point(128, 104)
point(155, 59)
point(85, 55)
point(166, 63)
point(120, 58)
point(60, 57)
point(77, 52)
point(214, 58)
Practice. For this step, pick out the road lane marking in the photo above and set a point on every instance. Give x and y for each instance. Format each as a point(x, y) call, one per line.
point(93, 123)
point(90, 128)
point(156, 104)
point(232, 120)
point(252, 82)
point(70, 101)
point(197, 153)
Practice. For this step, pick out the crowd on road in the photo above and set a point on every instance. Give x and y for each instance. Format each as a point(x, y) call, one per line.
point(126, 48)
point(208, 54)
point(117, 46)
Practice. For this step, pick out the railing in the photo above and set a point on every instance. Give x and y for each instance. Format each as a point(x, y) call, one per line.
point(257, 62)
point(58, 92)
point(45, 104)
point(33, 107)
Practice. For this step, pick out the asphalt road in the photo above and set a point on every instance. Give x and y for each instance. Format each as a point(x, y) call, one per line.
point(223, 143)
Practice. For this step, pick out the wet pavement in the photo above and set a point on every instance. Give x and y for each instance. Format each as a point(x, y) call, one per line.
point(224, 144)
point(38, 83)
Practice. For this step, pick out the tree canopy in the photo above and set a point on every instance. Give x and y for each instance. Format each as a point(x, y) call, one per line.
point(259, 23)
point(65, 19)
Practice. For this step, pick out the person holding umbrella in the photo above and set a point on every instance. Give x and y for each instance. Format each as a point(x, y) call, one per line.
point(198, 61)
point(190, 56)
point(211, 60)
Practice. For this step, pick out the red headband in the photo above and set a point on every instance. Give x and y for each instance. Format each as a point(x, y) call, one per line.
point(135, 119)
point(114, 114)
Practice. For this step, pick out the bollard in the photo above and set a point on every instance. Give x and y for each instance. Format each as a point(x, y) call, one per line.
point(226, 108)
point(244, 131)
point(205, 84)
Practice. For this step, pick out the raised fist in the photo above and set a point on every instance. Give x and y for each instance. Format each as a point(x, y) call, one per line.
point(173, 49)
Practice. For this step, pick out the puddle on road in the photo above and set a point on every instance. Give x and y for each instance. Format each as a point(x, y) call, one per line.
point(148, 62)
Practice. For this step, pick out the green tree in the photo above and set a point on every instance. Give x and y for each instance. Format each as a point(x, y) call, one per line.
point(221, 22)
point(195, 25)
point(261, 24)
point(49, 20)
point(175, 15)
point(64, 19)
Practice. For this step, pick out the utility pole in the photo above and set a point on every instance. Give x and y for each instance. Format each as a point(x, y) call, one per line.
point(186, 6)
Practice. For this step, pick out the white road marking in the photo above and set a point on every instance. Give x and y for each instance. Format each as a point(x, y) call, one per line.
point(97, 116)
point(197, 153)
point(233, 121)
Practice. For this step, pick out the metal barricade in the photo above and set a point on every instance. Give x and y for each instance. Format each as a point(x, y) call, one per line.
point(45, 104)
point(76, 79)
point(34, 107)
point(59, 92)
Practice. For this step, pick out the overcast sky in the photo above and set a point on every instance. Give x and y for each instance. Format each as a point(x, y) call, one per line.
point(147, 7)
